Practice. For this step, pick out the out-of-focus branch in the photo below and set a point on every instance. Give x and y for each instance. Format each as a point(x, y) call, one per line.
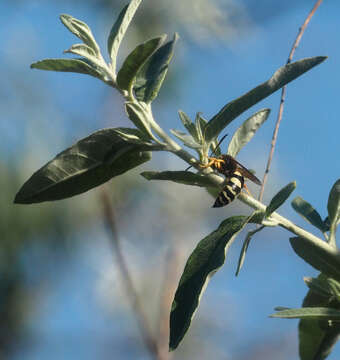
point(283, 96)
point(109, 217)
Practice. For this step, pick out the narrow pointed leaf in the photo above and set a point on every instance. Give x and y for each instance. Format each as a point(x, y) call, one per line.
point(181, 177)
point(137, 115)
point(88, 163)
point(321, 256)
point(281, 77)
point(280, 198)
point(246, 131)
point(135, 61)
point(333, 205)
point(245, 248)
point(188, 124)
point(119, 28)
point(81, 30)
point(307, 211)
point(204, 261)
point(68, 65)
point(82, 50)
point(151, 76)
point(317, 337)
point(200, 127)
point(310, 313)
point(187, 139)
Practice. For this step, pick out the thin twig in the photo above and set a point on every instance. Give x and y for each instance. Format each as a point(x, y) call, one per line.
point(283, 96)
point(109, 216)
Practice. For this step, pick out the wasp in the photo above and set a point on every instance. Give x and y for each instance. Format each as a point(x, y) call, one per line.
point(234, 173)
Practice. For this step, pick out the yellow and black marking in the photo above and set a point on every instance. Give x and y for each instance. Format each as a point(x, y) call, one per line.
point(235, 174)
point(232, 189)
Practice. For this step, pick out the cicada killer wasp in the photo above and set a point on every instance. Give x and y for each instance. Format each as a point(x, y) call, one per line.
point(234, 173)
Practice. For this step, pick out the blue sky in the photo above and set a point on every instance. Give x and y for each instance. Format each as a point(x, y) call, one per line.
point(307, 151)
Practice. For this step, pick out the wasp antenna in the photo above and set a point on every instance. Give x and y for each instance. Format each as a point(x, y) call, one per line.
point(219, 143)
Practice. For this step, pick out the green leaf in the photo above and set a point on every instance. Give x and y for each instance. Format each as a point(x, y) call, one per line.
point(187, 139)
point(151, 76)
point(324, 286)
point(181, 177)
point(81, 30)
point(68, 65)
point(307, 211)
point(246, 131)
point(200, 128)
point(245, 248)
point(135, 60)
point(281, 77)
point(90, 162)
point(82, 50)
point(311, 313)
point(138, 116)
point(317, 337)
point(205, 260)
point(188, 124)
point(321, 256)
point(280, 198)
point(118, 30)
point(333, 205)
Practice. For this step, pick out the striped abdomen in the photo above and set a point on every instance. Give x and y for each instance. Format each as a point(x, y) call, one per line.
point(231, 190)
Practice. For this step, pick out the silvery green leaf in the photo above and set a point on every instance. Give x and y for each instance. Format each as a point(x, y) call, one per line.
point(81, 30)
point(181, 177)
point(281, 77)
point(82, 50)
point(151, 76)
point(187, 139)
point(280, 198)
point(307, 211)
point(321, 256)
point(68, 65)
point(137, 115)
point(333, 205)
point(202, 264)
point(188, 124)
point(246, 131)
point(135, 60)
point(310, 313)
point(118, 30)
point(88, 163)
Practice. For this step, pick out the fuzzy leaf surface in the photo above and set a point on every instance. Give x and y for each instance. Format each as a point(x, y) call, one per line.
point(281, 77)
point(151, 76)
point(135, 60)
point(317, 337)
point(311, 313)
point(308, 212)
point(333, 204)
point(280, 198)
point(321, 256)
point(90, 162)
point(68, 65)
point(187, 139)
point(208, 256)
point(81, 30)
point(181, 177)
point(188, 124)
point(119, 28)
point(246, 131)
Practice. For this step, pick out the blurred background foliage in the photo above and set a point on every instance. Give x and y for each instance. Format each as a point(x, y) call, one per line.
point(60, 293)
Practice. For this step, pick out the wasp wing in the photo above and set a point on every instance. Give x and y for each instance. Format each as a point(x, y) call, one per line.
point(246, 173)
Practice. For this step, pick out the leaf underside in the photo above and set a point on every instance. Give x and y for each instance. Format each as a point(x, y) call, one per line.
point(90, 162)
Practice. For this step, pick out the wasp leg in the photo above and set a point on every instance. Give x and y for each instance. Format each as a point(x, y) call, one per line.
point(246, 188)
point(213, 161)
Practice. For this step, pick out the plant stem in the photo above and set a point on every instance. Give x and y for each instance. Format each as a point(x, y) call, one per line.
point(283, 96)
